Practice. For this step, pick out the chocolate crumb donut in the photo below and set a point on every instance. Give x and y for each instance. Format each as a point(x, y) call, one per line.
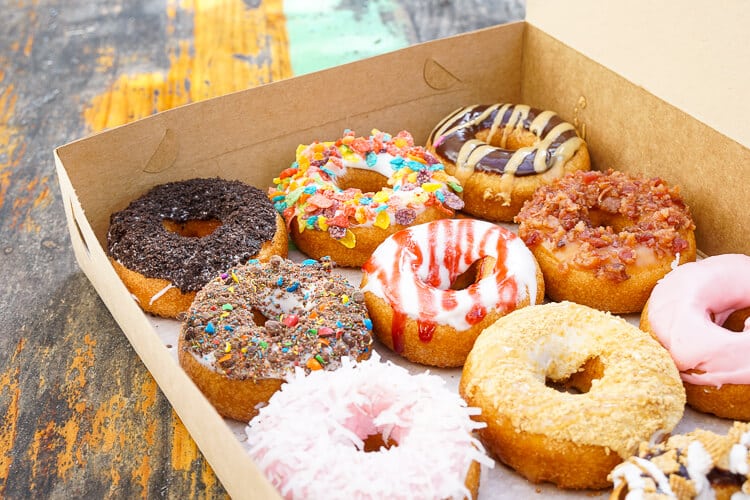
point(171, 241)
point(249, 329)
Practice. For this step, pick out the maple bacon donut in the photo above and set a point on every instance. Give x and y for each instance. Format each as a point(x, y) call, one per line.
point(334, 201)
point(250, 328)
point(687, 313)
point(367, 430)
point(410, 287)
point(568, 392)
point(604, 239)
point(502, 153)
point(171, 241)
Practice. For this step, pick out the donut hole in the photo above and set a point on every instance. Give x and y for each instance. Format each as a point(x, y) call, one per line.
point(478, 269)
point(366, 181)
point(377, 442)
point(602, 218)
point(735, 322)
point(580, 381)
point(193, 228)
point(516, 139)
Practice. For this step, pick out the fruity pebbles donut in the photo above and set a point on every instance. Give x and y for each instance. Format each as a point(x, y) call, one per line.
point(503, 152)
point(334, 200)
point(604, 239)
point(250, 328)
point(687, 312)
point(171, 241)
point(410, 287)
point(568, 392)
point(367, 430)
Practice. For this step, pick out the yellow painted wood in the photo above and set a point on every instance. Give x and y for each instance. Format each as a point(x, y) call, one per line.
point(233, 47)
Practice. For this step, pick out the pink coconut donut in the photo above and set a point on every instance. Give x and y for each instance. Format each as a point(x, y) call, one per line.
point(686, 313)
point(317, 435)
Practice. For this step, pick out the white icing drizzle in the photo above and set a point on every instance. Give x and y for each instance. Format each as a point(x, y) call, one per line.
point(160, 293)
point(472, 239)
point(699, 464)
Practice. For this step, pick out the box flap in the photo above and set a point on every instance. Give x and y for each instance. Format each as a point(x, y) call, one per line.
point(692, 54)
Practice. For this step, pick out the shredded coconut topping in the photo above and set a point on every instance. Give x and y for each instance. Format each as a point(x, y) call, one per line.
point(310, 439)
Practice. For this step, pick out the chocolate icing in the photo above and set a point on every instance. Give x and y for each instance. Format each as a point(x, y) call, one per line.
point(313, 317)
point(464, 125)
point(138, 240)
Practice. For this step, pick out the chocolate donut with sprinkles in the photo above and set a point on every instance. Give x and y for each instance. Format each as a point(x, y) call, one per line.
point(501, 153)
point(343, 198)
point(172, 240)
point(251, 327)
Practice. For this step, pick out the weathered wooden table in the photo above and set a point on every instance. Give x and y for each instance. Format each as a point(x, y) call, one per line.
point(80, 416)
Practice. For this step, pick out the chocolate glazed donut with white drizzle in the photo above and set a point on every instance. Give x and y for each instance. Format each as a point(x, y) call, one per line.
point(502, 152)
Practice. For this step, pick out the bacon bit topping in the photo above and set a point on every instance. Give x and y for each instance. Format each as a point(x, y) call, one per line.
point(564, 213)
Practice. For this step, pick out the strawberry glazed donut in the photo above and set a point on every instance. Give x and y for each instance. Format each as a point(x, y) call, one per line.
point(687, 312)
point(419, 291)
point(568, 392)
point(502, 153)
point(604, 239)
point(334, 202)
point(367, 430)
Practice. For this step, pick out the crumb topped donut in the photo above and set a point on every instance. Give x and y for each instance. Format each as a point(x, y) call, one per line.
point(408, 287)
point(699, 464)
point(623, 387)
point(334, 200)
point(171, 241)
point(367, 430)
point(604, 239)
point(249, 328)
point(502, 153)
point(687, 313)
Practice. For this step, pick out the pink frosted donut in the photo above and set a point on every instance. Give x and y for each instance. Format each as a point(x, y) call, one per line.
point(686, 311)
point(367, 430)
point(411, 294)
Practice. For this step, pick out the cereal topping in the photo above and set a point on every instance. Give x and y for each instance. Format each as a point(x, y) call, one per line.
point(308, 189)
point(687, 466)
point(313, 318)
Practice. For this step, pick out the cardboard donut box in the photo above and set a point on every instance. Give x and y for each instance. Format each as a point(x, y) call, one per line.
point(252, 135)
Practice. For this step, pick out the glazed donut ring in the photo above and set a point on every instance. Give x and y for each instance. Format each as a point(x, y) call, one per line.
point(379, 425)
point(685, 313)
point(333, 199)
point(252, 327)
point(629, 388)
point(408, 287)
point(604, 239)
point(502, 153)
point(171, 241)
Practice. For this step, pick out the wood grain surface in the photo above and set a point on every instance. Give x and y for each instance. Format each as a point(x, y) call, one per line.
point(80, 416)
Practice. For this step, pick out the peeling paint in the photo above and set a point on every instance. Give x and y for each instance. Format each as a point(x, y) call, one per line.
point(233, 47)
point(9, 389)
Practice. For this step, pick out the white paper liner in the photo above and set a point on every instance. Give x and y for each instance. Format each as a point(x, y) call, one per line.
point(501, 482)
